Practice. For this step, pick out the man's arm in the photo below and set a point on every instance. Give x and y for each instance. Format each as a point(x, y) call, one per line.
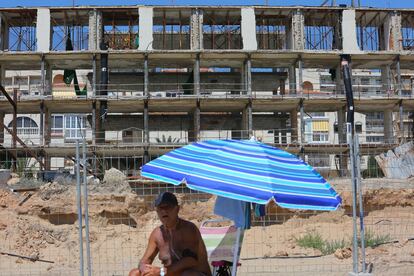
point(150, 252)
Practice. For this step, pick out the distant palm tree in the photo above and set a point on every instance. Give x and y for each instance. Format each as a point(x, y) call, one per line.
point(168, 140)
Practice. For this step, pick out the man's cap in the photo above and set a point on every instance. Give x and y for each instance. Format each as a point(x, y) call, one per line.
point(166, 198)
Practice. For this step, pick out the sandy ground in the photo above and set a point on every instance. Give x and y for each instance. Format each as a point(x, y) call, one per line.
point(45, 228)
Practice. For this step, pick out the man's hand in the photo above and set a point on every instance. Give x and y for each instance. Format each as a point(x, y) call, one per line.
point(151, 270)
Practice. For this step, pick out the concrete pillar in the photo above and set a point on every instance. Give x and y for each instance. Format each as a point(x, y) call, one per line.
point(194, 133)
point(300, 76)
point(196, 29)
point(145, 28)
point(388, 127)
point(146, 124)
point(401, 117)
point(94, 124)
point(248, 29)
point(196, 73)
point(146, 78)
point(294, 124)
point(398, 69)
point(386, 79)
point(146, 132)
point(243, 78)
point(296, 37)
point(95, 30)
point(99, 132)
point(47, 127)
point(339, 84)
point(292, 79)
point(49, 79)
point(43, 30)
point(94, 73)
point(42, 124)
point(349, 37)
point(43, 75)
point(302, 123)
point(4, 33)
point(2, 73)
point(248, 68)
point(341, 114)
point(392, 38)
point(1, 128)
point(247, 121)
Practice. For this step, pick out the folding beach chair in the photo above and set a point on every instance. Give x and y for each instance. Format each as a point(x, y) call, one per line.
point(223, 245)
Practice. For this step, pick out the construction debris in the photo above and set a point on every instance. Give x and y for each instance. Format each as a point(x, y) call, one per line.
point(398, 163)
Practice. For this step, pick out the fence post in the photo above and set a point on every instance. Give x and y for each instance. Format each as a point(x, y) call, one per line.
point(79, 205)
point(85, 194)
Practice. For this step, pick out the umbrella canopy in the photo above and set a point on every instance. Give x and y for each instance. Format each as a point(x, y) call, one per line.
point(245, 170)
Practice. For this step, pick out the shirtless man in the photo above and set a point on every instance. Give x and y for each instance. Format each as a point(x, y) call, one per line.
point(178, 243)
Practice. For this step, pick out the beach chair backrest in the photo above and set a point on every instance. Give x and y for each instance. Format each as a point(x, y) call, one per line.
point(220, 241)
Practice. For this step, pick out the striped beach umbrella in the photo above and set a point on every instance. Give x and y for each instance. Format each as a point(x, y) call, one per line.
point(245, 170)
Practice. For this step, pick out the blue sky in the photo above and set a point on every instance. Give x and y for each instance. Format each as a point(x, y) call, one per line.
point(370, 3)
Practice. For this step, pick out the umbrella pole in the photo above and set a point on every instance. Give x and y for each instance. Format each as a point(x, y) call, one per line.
point(236, 253)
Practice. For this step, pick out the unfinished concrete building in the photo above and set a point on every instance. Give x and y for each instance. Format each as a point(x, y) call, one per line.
point(154, 78)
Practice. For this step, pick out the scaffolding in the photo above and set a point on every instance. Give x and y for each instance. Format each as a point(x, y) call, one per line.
point(271, 30)
point(73, 25)
point(323, 30)
point(222, 29)
point(121, 29)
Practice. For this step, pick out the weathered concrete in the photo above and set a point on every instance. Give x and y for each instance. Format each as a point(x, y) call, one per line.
point(398, 163)
point(388, 127)
point(349, 37)
point(4, 33)
point(196, 77)
point(196, 29)
point(392, 32)
point(43, 30)
point(95, 30)
point(145, 28)
point(386, 78)
point(47, 127)
point(292, 79)
point(341, 114)
point(1, 127)
point(248, 29)
point(294, 124)
point(295, 35)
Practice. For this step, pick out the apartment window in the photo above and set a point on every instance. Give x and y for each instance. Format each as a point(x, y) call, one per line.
point(74, 127)
point(320, 136)
point(317, 114)
point(57, 125)
point(25, 126)
point(375, 139)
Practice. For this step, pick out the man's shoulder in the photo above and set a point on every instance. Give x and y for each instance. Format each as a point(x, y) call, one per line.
point(189, 226)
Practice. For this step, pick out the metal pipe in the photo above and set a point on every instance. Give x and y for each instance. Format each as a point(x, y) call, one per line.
point(79, 205)
point(85, 203)
point(349, 131)
point(361, 202)
point(146, 79)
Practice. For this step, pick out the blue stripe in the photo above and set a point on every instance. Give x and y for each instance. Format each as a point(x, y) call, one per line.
point(231, 151)
point(276, 184)
point(248, 162)
point(309, 177)
point(245, 170)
